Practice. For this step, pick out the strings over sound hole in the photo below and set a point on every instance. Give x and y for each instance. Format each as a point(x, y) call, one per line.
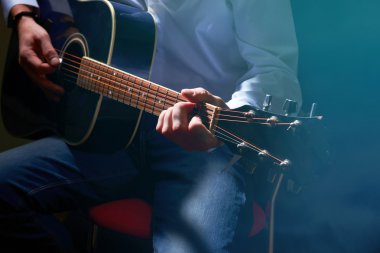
point(71, 57)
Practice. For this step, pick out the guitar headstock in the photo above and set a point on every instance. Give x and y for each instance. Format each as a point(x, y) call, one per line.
point(286, 142)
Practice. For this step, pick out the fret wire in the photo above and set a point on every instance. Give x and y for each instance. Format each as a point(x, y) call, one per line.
point(99, 86)
point(93, 77)
point(110, 91)
point(125, 93)
point(140, 93)
point(111, 84)
point(160, 99)
point(129, 88)
point(112, 76)
point(166, 95)
point(154, 99)
point(146, 97)
point(104, 88)
point(135, 102)
point(133, 83)
point(92, 83)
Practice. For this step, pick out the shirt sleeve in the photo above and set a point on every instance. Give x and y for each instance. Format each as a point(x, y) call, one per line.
point(8, 4)
point(265, 34)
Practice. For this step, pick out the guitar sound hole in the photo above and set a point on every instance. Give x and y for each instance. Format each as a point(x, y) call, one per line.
point(71, 55)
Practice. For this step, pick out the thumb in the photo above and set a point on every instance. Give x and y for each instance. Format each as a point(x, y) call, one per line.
point(49, 53)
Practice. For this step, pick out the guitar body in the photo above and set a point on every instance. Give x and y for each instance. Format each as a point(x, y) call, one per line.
point(109, 32)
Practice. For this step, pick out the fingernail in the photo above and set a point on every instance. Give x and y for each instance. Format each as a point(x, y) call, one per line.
point(54, 61)
point(188, 92)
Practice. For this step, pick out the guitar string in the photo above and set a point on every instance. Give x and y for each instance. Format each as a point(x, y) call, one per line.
point(222, 109)
point(257, 149)
point(148, 100)
point(252, 146)
point(120, 72)
point(229, 137)
point(238, 140)
point(133, 84)
point(221, 115)
point(134, 99)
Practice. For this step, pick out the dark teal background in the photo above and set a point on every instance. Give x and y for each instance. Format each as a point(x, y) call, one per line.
point(339, 68)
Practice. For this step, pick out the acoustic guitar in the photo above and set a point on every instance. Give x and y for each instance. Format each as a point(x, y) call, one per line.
point(105, 73)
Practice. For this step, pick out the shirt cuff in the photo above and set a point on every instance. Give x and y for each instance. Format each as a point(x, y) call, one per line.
point(8, 4)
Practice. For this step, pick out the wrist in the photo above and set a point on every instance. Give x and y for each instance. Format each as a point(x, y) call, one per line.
point(21, 12)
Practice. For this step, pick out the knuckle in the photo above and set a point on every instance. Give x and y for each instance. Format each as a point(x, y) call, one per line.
point(43, 36)
point(217, 98)
point(50, 53)
point(178, 127)
point(24, 54)
point(202, 91)
point(165, 131)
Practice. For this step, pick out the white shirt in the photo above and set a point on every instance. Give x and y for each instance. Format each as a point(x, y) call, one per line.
point(246, 48)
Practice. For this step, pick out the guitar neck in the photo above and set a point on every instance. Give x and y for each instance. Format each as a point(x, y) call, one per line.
point(125, 88)
point(134, 91)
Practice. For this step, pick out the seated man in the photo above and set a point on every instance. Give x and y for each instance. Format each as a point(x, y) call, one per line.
point(238, 51)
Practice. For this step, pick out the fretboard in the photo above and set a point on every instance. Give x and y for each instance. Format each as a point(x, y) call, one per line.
point(125, 88)
point(133, 90)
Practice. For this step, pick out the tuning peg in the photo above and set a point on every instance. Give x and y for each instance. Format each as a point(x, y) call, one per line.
point(294, 124)
point(250, 115)
point(267, 102)
point(272, 121)
point(242, 147)
point(289, 107)
point(285, 163)
point(313, 110)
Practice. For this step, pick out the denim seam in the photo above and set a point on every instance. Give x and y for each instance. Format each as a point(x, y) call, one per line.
point(65, 182)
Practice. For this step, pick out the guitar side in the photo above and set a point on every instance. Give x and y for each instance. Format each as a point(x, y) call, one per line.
point(113, 33)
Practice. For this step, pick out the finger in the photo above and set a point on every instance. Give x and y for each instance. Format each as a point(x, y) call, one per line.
point(181, 115)
point(29, 60)
point(198, 95)
point(44, 83)
point(167, 122)
point(160, 121)
point(48, 52)
point(205, 138)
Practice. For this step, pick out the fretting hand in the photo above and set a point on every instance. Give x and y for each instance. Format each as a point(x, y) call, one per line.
point(179, 125)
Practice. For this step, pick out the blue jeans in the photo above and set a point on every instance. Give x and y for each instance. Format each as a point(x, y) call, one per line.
point(196, 199)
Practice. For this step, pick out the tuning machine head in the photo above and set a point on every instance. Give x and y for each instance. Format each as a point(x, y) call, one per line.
point(289, 107)
point(250, 115)
point(313, 111)
point(293, 125)
point(272, 121)
point(267, 102)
